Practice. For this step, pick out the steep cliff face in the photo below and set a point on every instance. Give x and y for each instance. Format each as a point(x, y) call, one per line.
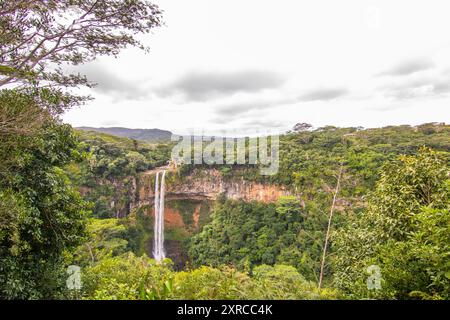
point(208, 184)
point(188, 202)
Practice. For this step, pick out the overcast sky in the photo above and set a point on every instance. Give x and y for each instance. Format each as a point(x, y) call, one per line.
point(265, 65)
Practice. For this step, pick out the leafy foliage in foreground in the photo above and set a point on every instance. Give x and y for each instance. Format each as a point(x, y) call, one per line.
point(405, 231)
point(131, 277)
point(41, 215)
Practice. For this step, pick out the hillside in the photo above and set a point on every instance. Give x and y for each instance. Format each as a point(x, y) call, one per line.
point(150, 135)
point(120, 179)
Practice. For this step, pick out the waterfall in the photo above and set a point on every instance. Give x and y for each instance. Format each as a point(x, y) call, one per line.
point(158, 246)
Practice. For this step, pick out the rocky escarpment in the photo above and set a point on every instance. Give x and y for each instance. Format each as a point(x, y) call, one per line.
point(188, 202)
point(208, 184)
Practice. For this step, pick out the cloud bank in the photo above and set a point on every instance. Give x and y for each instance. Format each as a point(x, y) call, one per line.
point(203, 86)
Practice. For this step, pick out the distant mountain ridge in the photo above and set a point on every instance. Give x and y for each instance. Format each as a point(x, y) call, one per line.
point(151, 135)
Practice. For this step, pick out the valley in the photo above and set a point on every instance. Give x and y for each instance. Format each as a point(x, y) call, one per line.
point(252, 150)
point(215, 216)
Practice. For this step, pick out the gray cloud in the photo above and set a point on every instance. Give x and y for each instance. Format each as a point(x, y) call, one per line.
point(408, 67)
point(230, 111)
point(442, 87)
point(418, 88)
point(324, 94)
point(109, 83)
point(236, 108)
point(109, 123)
point(266, 124)
point(252, 119)
point(202, 86)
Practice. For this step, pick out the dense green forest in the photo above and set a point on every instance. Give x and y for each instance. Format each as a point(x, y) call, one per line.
point(392, 211)
point(309, 165)
point(66, 195)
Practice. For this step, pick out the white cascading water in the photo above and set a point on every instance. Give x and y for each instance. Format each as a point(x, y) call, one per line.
point(158, 246)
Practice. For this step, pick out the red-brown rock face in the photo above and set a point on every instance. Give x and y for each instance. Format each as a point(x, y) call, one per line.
point(209, 184)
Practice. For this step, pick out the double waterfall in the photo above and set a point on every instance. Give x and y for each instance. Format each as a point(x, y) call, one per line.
point(158, 245)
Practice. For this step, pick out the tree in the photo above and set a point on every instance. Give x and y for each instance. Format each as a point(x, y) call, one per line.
point(39, 38)
point(418, 267)
point(105, 238)
point(127, 277)
point(403, 231)
point(42, 215)
point(20, 115)
point(299, 127)
point(207, 283)
point(21, 118)
point(247, 233)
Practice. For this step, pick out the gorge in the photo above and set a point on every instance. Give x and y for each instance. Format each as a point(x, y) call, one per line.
point(215, 217)
point(180, 205)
